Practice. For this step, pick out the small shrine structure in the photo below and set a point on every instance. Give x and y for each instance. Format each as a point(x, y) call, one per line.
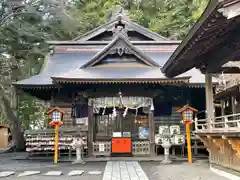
point(212, 46)
point(110, 85)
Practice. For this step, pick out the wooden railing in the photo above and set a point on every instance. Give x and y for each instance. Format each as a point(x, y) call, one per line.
point(222, 124)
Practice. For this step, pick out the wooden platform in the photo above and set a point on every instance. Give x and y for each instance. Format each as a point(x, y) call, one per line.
point(221, 137)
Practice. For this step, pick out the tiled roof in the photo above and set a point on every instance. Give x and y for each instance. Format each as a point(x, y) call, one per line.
point(68, 62)
point(113, 73)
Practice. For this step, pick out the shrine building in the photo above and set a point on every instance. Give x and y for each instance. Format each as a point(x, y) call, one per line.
point(109, 83)
point(212, 46)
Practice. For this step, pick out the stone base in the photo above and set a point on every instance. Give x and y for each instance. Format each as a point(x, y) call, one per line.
point(79, 162)
point(166, 161)
point(224, 173)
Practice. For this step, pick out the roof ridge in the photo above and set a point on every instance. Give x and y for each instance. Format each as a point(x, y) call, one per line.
point(121, 18)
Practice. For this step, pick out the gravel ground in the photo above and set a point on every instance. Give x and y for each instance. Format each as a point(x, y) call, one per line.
point(154, 170)
point(181, 171)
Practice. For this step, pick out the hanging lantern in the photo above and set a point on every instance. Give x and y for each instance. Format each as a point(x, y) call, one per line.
point(187, 114)
point(56, 116)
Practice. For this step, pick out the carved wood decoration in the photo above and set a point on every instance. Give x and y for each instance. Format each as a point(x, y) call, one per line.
point(206, 143)
point(120, 28)
point(229, 49)
point(120, 48)
point(220, 144)
point(212, 145)
point(235, 146)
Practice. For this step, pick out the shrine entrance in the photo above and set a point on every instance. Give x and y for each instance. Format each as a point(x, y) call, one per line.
point(106, 124)
point(120, 122)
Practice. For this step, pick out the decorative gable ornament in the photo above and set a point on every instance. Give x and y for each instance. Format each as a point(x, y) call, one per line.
point(120, 49)
point(120, 45)
point(56, 116)
point(120, 29)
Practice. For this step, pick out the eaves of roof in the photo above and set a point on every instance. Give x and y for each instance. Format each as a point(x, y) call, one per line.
point(173, 60)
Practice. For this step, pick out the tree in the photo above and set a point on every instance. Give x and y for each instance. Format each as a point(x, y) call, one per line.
point(24, 30)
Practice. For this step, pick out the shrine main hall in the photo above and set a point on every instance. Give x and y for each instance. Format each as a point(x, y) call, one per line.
point(109, 83)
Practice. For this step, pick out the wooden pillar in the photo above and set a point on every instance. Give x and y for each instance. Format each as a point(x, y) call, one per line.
point(209, 97)
point(17, 93)
point(222, 108)
point(151, 133)
point(90, 129)
point(234, 110)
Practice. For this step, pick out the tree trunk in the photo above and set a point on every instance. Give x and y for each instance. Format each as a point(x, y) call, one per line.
point(17, 134)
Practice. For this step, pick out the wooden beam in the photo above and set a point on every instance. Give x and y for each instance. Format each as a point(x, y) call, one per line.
point(226, 70)
point(220, 144)
point(235, 146)
point(222, 108)
point(223, 52)
point(151, 132)
point(206, 142)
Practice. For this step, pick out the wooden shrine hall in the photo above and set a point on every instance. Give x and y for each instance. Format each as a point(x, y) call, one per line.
point(110, 85)
point(212, 46)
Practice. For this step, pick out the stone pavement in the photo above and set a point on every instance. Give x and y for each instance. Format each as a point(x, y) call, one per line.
point(124, 170)
point(61, 171)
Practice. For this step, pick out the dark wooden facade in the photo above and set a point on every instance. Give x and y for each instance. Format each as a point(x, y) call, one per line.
point(118, 57)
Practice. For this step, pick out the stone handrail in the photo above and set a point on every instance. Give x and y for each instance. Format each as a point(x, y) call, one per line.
point(229, 123)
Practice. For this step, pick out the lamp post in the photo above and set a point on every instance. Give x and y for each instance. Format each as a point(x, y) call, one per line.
point(56, 116)
point(78, 144)
point(187, 114)
point(166, 144)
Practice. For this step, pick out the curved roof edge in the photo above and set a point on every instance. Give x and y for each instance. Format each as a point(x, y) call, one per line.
point(171, 64)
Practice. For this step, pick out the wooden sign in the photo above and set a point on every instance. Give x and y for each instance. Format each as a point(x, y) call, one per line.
point(101, 148)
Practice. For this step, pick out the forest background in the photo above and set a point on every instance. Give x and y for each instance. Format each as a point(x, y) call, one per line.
point(26, 25)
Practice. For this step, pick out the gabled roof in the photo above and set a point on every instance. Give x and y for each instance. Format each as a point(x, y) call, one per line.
point(120, 45)
point(184, 108)
point(130, 25)
point(117, 75)
point(68, 58)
